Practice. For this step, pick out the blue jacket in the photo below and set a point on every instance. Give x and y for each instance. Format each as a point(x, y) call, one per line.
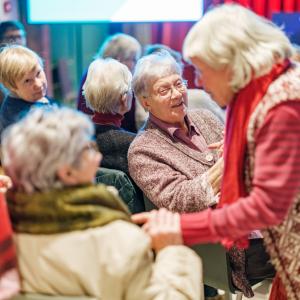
point(13, 109)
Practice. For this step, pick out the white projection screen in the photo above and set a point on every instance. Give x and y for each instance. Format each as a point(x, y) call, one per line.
point(91, 11)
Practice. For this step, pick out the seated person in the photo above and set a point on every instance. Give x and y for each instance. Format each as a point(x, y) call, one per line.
point(107, 90)
point(168, 159)
point(9, 278)
point(23, 76)
point(127, 50)
point(75, 238)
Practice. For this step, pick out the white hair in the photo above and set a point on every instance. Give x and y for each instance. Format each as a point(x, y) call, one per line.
point(150, 68)
point(233, 36)
point(107, 80)
point(34, 148)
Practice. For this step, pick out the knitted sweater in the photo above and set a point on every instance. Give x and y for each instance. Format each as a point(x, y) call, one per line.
point(113, 143)
point(169, 172)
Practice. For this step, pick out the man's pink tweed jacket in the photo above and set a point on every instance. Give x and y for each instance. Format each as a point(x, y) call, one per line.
point(168, 172)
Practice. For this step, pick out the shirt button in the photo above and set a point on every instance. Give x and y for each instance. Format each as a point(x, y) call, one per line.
point(209, 157)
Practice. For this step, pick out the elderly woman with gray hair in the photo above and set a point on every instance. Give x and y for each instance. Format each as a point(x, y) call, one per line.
point(75, 238)
point(127, 50)
point(170, 160)
point(245, 64)
point(107, 90)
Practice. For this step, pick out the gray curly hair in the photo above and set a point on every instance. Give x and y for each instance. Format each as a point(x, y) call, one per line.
point(34, 148)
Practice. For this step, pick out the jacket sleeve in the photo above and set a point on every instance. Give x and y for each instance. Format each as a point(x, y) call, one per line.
point(274, 186)
point(176, 273)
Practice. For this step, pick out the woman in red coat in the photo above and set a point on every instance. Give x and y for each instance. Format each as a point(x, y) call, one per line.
point(245, 65)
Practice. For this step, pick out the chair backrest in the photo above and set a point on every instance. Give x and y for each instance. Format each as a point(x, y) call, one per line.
point(216, 266)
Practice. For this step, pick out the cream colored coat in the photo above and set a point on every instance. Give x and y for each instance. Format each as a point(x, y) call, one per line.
point(111, 262)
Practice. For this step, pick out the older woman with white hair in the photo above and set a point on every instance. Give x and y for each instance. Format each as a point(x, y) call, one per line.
point(107, 90)
point(245, 65)
point(167, 159)
point(75, 238)
point(127, 50)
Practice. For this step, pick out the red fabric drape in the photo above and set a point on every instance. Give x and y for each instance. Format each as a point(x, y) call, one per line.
point(173, 34)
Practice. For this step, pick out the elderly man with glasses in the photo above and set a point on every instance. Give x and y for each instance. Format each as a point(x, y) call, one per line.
point(170, 160)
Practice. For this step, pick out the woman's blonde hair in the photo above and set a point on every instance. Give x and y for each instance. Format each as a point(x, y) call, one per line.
point(235, 37)
point(107, 81)
point(37, 146)
point(15, 62)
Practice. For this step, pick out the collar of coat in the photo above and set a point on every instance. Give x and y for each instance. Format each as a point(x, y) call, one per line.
point(65, 210)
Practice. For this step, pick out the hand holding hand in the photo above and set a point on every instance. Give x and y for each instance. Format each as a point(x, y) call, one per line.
point(163, 227)
point(219, 146)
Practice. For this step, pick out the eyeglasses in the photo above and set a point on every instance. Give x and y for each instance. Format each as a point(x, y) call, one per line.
point(166, 92)
point(13, 38)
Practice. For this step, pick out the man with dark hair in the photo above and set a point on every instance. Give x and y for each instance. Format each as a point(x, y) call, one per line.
point(12, 32)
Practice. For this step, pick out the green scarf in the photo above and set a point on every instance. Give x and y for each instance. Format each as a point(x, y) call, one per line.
point(64, 210)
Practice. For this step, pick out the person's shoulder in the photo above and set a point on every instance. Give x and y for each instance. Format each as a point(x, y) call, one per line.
point(198, 114)
point(107, 133)
point(149, 137)
point(123, 240)
point(12, 109)
point(11, 101)
point(52, 101)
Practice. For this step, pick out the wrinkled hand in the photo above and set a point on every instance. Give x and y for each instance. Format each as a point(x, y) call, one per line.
point(9, 284)
point(162, 226)
point(214, 175)
point(219, 146)
point(5, 183)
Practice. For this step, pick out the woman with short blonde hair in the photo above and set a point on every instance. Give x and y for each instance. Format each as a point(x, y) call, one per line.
point(22, 74)
point(107, 90)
